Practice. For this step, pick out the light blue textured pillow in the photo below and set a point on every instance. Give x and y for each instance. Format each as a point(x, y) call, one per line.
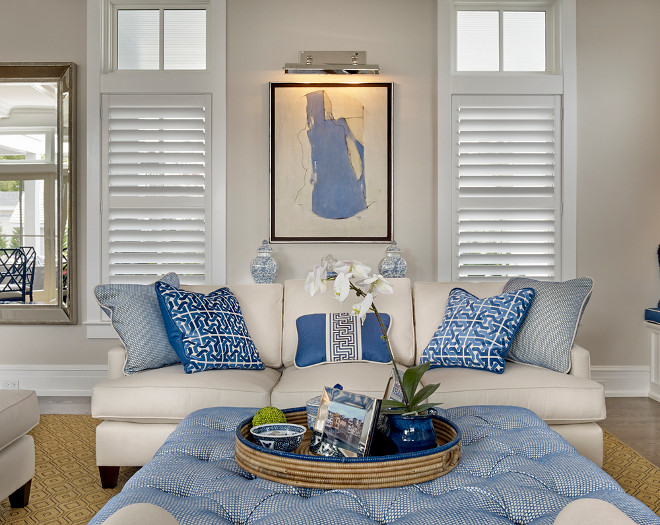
point(135, 315)
point(333, 338)
point(477, 333)
point(546, 337)
point(207, 331)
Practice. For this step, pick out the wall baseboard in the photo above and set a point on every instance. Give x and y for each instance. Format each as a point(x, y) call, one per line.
point(78, 380)
point(623, 381)
point(54, 380)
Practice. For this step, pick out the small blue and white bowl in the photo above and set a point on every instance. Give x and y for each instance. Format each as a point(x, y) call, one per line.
point(284, 437)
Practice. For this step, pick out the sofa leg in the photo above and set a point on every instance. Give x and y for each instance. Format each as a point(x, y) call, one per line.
point(109, 476)
point(21, 496)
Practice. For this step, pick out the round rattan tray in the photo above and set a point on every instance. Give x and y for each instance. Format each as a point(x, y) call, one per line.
point(302, 469)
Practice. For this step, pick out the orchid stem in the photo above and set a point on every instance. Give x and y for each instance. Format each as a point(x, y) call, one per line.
point(361, 293)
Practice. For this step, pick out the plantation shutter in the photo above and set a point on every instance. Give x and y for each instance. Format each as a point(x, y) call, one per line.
point(156, 159)
point(507, 198)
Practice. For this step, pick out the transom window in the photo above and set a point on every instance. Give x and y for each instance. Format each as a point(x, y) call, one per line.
point(516, 39)
point(159, 38)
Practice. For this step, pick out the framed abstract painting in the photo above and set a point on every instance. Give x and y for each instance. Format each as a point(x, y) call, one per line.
point(331, 162)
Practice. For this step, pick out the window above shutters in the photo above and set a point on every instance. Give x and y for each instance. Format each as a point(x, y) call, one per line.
point(506, 202)
point(156, 158)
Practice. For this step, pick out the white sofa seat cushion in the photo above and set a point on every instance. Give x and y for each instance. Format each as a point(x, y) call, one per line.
point(398, 305)
point(297, 385)
point(168, 394)
point(19, 413)
point(556, 398)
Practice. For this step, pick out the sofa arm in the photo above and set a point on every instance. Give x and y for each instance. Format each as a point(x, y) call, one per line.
point(116, 362)
point(580, 362)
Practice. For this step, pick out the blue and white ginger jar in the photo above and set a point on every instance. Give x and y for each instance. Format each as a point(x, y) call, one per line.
point(393, 265)
point(263, 267)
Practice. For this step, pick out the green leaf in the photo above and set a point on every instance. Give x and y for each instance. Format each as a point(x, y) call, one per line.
point(426, 406)
point(389, 411)
point(391, 403)
point(411, 379)
point(424, 393)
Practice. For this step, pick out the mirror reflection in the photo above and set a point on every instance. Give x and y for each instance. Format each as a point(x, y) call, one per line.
point(35, 193)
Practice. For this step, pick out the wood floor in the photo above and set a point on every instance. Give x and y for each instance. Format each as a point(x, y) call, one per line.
point(636, 422)
point(633, 420)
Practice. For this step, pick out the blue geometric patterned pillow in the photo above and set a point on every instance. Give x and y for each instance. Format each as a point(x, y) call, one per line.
point(546, 337)
point(207, 331)
point(477, 333)
point(135, 315)
point(332, 338)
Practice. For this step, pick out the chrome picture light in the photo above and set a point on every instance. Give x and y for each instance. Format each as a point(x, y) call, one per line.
point(332, 63)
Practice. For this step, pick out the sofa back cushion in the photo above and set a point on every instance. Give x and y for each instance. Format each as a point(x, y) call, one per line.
point(297, 302)
point(261, 305)
point(430, 300)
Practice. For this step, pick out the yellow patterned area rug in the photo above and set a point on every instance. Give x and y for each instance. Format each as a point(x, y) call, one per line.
point(66, 487)
point(637, 476)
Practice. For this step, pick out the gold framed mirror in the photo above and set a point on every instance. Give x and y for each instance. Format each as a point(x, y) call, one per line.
point(37, 193)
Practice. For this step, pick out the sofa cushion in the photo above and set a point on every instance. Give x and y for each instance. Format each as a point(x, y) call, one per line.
point(261, 305)
point(19, 413)
point(207, 330)
point(297, 302)
point(135, 316)
point(430, 300)
point(555, 397)
point(297, 385)
point(168, 394)
point(340, 338)
point(547, 335)
point(477, 333)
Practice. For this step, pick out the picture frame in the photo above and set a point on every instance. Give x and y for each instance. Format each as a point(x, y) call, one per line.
point(345, 424)
point(330, 162)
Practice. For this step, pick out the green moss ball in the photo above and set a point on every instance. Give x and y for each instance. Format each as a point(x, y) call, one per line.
point(268, 415)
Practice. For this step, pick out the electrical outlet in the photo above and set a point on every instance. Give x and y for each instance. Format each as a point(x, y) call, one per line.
point(11, 384)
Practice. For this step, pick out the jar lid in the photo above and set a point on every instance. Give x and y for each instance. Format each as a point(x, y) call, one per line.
point(393, 248)
point(265, 247)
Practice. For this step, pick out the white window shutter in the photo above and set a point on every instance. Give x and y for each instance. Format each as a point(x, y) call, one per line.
point(507, 197)
point(156, 160)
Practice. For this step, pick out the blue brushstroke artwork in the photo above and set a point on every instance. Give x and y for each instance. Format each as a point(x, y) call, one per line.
point(339, 189)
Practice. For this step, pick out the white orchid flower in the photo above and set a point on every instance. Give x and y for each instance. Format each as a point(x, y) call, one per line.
point(355, 268)
point(361, 309)
point(317, 281)
point(379, 284)
point(342, 286)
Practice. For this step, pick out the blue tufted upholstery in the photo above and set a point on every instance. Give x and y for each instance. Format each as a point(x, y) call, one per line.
point(513, 469)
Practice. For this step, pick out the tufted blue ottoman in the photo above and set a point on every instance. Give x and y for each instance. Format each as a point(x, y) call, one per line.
point(513, 469)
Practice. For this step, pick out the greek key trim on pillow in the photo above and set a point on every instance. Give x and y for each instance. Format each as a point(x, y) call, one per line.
point(546, 337)
point(207, 331)
point(340, 337)
point(477, 333)
point(135, 315)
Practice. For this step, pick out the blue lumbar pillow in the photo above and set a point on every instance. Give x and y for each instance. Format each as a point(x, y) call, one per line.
point(546, 337)
point(332, 338)
point(477, 333)
point(135, 315)
point(207, 331)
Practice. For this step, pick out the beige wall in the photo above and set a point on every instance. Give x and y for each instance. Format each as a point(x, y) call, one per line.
point(261, 37)
point(619, 147)
point(618, 173)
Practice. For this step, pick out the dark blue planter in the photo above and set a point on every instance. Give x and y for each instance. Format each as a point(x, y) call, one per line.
point(411, 433)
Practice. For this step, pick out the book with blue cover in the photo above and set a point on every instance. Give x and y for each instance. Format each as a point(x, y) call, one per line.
point(652, 314)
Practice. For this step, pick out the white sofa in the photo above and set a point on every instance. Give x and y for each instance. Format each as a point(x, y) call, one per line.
point(140, 410)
